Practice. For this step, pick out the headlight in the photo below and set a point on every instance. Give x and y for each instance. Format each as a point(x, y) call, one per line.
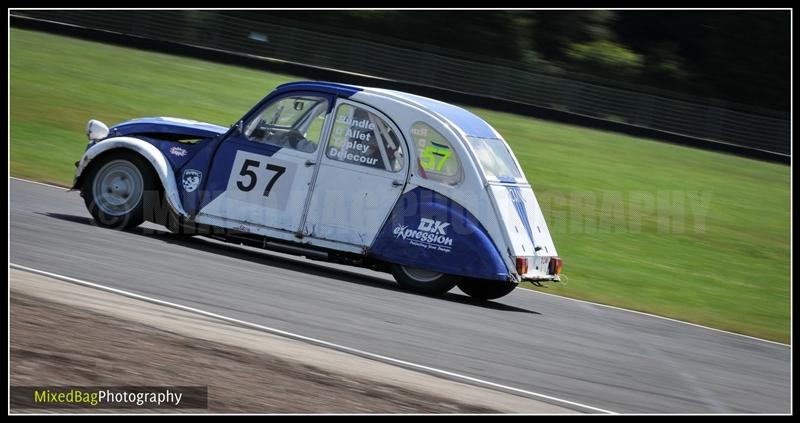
point(96, 130)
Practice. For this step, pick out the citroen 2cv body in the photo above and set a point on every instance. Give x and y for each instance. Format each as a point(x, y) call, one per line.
point(368, 177)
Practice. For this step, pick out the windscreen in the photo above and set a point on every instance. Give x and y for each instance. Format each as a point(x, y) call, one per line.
point(495, 159)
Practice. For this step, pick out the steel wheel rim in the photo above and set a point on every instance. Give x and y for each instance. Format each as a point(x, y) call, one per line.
point(118, 187)
point(420, 275)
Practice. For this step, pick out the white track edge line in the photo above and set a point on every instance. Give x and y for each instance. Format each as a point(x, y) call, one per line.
point(554, 295)
point(658, 317)
point(355, 351)
point(38, 183)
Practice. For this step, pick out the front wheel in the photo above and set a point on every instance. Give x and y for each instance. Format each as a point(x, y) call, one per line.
point(423, 281)
point(486, 290)
point(115, 190)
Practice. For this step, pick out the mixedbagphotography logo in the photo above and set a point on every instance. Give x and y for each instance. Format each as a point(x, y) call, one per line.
point(102, 397)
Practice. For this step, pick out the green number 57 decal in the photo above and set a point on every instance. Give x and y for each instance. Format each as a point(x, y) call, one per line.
point(435, 156)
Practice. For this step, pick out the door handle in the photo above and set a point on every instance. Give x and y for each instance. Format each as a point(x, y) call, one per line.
point(397, 183)
point(310, 163)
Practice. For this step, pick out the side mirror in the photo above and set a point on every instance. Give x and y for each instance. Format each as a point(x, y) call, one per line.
point(96, 130)
point(240, 127)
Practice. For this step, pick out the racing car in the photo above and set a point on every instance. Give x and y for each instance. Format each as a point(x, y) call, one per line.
point(370, 177)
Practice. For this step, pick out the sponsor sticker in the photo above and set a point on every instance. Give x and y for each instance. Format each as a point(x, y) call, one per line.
point(177, 151)
point(191, 179)
point(430, 234)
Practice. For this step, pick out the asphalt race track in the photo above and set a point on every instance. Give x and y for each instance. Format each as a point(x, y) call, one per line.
point(598, 356)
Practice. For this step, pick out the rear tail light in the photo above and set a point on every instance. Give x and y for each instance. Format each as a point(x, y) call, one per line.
point(522, 265)
point(555, 265)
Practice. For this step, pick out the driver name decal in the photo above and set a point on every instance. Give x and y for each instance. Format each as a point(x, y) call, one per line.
point(351, 142)
point(345, 155)
point(360, 137)
point(430, 234)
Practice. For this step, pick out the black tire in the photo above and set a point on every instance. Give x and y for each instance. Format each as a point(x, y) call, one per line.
point(409, 278)
point(485, 289)
point(128, 215)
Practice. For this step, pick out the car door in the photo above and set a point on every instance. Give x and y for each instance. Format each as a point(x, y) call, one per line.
point(361, 175)
point(260, 175)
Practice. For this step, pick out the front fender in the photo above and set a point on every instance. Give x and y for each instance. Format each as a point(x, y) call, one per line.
point(146, 150)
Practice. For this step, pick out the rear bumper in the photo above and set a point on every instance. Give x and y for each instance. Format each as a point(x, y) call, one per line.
point(540, 278)
point(538, 269)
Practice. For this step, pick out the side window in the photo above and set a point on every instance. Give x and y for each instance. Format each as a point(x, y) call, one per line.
point(293, 122)
point(361, 137)
point(437, 159)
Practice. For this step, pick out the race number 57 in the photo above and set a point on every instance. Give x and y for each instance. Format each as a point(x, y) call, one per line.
point(434, 157)
point(251, 177)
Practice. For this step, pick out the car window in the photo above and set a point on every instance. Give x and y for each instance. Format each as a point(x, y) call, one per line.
point(437, 159)
point(363, 138)
point(494, 157)
point(293, 122)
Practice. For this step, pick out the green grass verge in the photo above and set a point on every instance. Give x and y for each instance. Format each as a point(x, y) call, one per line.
point(689, 234)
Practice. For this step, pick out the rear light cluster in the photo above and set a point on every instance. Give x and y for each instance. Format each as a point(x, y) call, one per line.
point(555, 266)
point(522, 265)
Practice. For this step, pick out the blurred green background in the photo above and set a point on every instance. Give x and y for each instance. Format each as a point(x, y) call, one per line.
point(729, 270)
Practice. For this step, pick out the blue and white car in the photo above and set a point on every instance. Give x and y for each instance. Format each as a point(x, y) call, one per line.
point(364, 176)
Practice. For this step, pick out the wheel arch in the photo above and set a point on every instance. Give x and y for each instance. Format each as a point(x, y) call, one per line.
point(469, 249)
point(160, 166)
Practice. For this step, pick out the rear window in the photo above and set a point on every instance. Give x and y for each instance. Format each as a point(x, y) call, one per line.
point(495, 159)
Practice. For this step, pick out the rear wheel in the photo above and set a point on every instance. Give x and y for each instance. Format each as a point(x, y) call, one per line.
point(485, 289)
point(116, 189)
point(423, 281)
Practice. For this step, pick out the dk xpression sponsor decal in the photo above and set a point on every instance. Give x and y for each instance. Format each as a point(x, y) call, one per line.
point(431, 234)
